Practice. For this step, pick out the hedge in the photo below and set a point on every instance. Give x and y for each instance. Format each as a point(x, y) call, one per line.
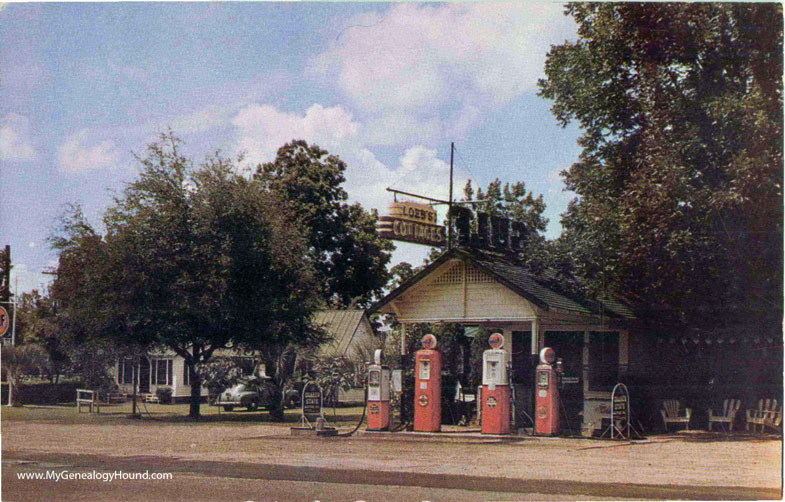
point(42, 393)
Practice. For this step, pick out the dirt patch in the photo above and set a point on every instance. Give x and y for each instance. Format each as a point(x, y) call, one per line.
point(712, 461)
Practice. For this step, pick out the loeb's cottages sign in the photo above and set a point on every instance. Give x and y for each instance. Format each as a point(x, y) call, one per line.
point(412, 222)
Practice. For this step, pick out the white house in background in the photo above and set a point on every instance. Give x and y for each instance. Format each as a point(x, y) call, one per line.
point(350, 332)
point(167, 369)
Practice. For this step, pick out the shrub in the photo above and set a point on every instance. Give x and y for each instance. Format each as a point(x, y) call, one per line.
point(164, 395)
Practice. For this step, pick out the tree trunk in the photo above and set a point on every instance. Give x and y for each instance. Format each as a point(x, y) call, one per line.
point(196, 392)
point(10, 391)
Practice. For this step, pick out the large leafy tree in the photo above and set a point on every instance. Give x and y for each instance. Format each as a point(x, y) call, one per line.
point(193, 259)
point(37, 323)
point(349, 257)
point(679, 181)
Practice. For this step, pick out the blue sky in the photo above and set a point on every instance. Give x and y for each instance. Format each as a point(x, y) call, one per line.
point(386, 87)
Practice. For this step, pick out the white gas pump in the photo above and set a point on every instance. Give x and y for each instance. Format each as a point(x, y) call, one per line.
point(378, 394)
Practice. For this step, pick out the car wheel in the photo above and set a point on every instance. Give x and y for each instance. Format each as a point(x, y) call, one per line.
point(253, 405)
point(228, 408)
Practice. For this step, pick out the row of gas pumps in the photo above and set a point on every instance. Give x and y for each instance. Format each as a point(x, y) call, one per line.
point(495, 395)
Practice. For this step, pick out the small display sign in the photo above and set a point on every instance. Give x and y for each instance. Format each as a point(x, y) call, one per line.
point(620, 412)
point(397, 381)
point(312, 400)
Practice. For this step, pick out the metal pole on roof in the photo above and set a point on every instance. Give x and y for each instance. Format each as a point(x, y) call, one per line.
point(449, 206)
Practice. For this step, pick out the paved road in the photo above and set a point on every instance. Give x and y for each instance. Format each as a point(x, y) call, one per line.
point(195, 480)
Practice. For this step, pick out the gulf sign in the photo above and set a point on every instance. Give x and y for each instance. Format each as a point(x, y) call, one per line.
point(496, 341)
point(410, 222)
point(5, 321)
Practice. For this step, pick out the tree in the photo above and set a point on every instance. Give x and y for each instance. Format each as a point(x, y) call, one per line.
point(194, 259)
point(680, 175)
point(37, 323)
point(514, 202)
point(350, 259)
point(18, 361)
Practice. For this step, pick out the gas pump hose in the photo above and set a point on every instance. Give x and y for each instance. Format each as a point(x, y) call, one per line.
point(365, 400)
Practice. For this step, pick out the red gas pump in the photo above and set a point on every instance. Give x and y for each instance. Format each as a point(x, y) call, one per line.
point(428, 387)
point(495, 388)
point(378, 406)
point(547, 409)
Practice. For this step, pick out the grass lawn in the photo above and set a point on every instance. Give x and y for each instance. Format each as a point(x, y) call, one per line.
point(173, 413)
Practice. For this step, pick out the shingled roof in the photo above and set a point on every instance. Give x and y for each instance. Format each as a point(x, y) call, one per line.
point(542, 291)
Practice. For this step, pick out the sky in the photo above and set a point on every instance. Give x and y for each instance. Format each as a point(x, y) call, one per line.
point(386, 87)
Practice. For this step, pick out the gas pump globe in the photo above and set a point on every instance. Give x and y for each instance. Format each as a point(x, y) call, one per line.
point(378, 406)
point(495, 388)
point(546, 422)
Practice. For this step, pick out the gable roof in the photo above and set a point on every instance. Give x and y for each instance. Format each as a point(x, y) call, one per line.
point(540, 290)
point(342, 325)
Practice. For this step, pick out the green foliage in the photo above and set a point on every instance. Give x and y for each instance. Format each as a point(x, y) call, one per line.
point(194, 259)
point(218, 374)
point(401, 273)
point(336, 372)
point(349, 258)
point(164, 394)
point(680, 177)
point(19, 360)
point(37, 322)
point(513, 202)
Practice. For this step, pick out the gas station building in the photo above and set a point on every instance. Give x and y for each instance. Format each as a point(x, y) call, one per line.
point(481, 288)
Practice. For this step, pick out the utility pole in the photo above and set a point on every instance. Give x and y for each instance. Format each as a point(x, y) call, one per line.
point(13, 316)
point(449, 205)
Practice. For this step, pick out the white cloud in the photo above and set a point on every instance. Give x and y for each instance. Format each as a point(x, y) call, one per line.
point(15, 138)
point(262, 129)
point(75, 156)
point(417, 60)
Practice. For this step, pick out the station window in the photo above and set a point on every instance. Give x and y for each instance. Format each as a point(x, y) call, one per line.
point(603, 360)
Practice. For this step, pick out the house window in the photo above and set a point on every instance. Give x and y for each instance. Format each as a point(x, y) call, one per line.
point(603, 361)
point(186, 374)
point(125, 372)
point(162, 371)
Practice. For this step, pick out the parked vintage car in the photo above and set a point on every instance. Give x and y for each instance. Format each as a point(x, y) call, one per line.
point(251, 393)
point(257, 392)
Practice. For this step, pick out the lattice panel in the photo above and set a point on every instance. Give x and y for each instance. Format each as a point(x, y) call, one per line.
point(453, 275)
point(475, 276)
